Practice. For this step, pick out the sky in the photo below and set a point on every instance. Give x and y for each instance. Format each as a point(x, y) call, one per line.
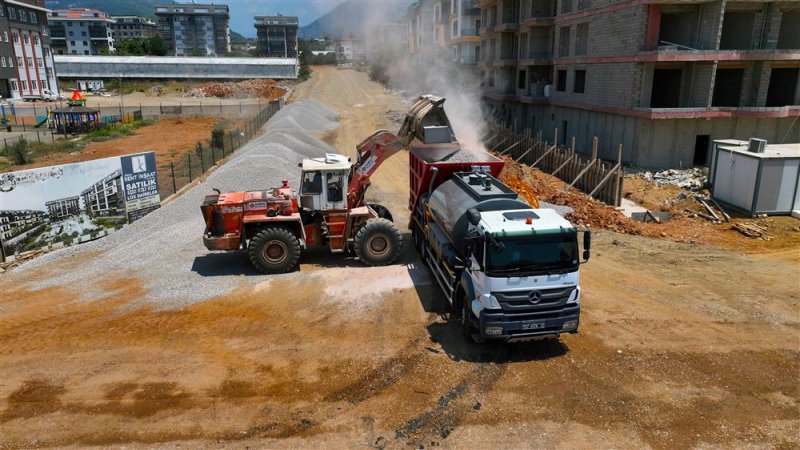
point(243, 11)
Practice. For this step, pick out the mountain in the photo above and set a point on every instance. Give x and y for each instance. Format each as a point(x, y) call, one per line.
point(237, 38)
point(144, 8)
point(351, 17)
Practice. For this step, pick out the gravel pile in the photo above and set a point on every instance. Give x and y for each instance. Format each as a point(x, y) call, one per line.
point(165, 248)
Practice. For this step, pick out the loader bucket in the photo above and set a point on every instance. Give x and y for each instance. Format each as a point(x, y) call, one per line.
point(427, 111)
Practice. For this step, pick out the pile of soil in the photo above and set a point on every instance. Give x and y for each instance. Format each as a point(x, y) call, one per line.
point(682, 226)
point(267, 89)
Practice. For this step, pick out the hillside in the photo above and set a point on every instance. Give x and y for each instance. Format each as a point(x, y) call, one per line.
point(142, 8)
point(351, 16)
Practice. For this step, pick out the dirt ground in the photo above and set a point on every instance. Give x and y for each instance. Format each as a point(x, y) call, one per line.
point(167, 137)
point(681, 345)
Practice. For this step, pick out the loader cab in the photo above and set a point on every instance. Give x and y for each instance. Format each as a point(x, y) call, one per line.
point(324, 182)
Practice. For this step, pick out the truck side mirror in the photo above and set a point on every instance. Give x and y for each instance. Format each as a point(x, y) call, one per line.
point(587, 245)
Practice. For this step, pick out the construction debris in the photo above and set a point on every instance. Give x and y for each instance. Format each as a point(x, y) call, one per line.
point(267, 89)
point(692, 179)
point(19, 259)
point(752, 230)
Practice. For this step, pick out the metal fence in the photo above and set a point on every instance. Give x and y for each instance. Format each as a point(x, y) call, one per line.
point(29, 118)
point(174, 175)
point(600, 179)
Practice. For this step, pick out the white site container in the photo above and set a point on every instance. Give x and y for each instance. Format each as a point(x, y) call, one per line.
point(757, 183)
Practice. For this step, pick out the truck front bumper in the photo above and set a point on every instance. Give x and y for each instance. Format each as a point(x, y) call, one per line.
point(497, 325)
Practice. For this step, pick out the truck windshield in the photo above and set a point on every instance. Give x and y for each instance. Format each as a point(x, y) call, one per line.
point(533, 255)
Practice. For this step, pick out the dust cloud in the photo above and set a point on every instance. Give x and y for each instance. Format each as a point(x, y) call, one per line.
point(432, 72)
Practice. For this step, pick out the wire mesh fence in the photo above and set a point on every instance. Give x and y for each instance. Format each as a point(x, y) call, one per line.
point(182, 170)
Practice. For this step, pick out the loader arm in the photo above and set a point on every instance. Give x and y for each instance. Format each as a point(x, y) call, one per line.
point(427, 110)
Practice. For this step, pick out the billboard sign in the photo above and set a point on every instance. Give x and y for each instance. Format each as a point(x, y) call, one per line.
point(77, 202)
point(140, 181)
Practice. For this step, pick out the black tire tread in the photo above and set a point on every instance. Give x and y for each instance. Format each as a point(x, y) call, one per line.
point(268, 234)
point(374, 226)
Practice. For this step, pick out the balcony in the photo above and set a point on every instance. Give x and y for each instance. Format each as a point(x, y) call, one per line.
point(499, 94)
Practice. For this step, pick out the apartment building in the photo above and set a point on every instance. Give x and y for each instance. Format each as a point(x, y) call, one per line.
point(105, 198)
point(26, 60)
point(445, 31)
point(14, 222)
point(350, 49)
point(276, 36)
point(81, 31)
point(125, 27)
point(63, 208)
point(195, 29)
point(663, 78)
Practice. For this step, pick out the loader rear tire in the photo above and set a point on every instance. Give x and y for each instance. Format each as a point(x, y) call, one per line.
point(378, 243)
point(274, 250)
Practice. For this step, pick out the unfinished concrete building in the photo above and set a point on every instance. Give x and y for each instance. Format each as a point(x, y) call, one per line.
point(445, 31)
point(663, 78)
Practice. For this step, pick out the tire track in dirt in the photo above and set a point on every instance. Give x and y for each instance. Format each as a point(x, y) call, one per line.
point(365, 387)
point(438, 422)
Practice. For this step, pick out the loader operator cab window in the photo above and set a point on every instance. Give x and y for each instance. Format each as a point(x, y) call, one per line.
point(312, 183)
point(335, 184)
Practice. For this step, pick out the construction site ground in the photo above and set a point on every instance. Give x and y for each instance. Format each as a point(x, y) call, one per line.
point(684, 342)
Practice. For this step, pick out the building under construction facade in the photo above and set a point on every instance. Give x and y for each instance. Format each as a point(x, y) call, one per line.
point(663, 78)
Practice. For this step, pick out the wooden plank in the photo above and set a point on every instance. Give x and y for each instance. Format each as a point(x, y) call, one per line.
point(604, 181)
point(583, 172)
point(543, 156)
point(724, 213)
point(562, 165)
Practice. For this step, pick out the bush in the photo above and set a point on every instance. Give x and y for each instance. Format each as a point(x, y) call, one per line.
point(218, 137)
point(19, 151)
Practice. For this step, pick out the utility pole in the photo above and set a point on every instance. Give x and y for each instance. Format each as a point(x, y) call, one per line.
point(121, 102)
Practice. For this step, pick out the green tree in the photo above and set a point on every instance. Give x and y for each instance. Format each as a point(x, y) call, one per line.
point(305, 71)
point(156, 46)
point(217, 137)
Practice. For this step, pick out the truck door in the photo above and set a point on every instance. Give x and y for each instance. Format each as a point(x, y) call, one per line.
point(334, 189)
point(311, 191)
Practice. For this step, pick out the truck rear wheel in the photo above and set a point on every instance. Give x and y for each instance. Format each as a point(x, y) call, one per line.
point(378, 242)
point(274, 250)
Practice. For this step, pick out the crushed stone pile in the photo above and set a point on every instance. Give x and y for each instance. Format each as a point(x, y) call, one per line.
point(692, 179)
point(165, 250)
point(267, 89)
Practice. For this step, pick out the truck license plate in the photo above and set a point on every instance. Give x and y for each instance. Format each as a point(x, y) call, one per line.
point(537, 325)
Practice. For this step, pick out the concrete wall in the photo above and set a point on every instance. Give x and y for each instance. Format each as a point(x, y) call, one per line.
point(170, 67)
point(659, 143)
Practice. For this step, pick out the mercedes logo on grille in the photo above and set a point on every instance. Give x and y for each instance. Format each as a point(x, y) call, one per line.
point(535, 297)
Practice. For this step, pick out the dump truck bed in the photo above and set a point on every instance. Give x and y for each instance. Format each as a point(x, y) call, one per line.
point(447, 159)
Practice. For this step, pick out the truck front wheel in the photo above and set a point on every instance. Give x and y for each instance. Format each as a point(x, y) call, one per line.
point(466, 320)
point(378, 243)
point(274, 250)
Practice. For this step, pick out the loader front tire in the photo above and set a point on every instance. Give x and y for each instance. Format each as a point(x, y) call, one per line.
point(378, 243)
point(383, 212)
point(274, 250)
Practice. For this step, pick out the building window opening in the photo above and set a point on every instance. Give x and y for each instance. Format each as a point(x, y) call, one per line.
point(666, 88)
point(782, 86)
point(737, 31)
point(580, 82)
point(727, 87)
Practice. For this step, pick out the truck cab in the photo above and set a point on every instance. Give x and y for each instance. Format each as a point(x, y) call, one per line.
point(521, 280)
point(324, 183)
